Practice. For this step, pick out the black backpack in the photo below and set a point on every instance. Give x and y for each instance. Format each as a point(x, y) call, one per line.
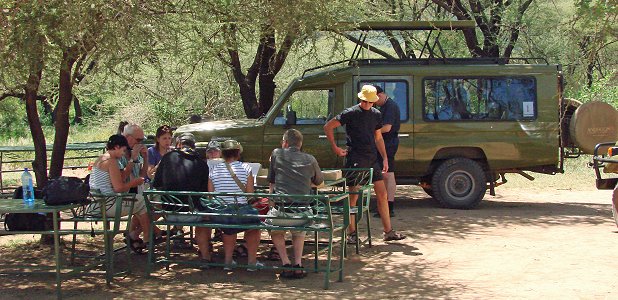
point(66, 190)
point(25, 222)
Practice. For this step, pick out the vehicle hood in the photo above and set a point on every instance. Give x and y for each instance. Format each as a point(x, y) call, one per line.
point(218, 125)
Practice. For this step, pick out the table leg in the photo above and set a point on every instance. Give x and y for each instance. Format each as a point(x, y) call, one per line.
point(57, 255)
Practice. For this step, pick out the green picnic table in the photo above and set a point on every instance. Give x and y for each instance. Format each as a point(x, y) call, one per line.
point(17, 206)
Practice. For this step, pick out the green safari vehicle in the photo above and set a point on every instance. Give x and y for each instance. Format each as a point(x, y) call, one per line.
point(465, 123)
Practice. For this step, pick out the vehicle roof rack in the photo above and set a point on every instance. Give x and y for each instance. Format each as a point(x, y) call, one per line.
point(436, 61)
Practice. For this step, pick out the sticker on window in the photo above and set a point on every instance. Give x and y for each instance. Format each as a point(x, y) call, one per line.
point(528, 109)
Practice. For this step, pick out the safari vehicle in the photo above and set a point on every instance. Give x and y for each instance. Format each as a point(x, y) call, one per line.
point(465, 122)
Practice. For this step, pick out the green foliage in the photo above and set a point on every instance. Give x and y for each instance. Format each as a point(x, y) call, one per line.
point(602, 89)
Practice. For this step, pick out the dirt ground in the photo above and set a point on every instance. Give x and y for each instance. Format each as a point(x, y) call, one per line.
point(530, 244)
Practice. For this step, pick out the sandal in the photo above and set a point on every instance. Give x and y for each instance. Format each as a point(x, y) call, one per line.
point(299, 272)
point(136, 245)
point(240, 251)
point(393, 236)
point(287, 273)
point(352, 238)
point(273, 254)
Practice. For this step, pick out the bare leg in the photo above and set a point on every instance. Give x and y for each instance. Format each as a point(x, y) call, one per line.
point(298, 243)
point(278, 238)
point(391, 185)
point(252, 237)
point(380, 190)
point(229, 241)
point(202, 236)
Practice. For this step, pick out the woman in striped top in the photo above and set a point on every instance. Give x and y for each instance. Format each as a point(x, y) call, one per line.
point(220, 180)
point(106, 177)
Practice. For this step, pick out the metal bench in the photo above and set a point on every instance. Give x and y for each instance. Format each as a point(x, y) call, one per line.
point(316, 210)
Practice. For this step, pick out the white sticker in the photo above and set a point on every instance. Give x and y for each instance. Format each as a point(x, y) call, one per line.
point(528, 109)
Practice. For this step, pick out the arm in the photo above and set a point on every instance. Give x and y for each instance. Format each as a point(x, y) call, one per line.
point(381, 149)
point(115, 176)
point(250, 187)
point(318, 177)
point(386, 128)
point(211, 187)
point(145, 166)
point(329, 129)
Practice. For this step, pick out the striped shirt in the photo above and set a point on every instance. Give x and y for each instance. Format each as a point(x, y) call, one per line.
point(223, 181)
point(100, 180)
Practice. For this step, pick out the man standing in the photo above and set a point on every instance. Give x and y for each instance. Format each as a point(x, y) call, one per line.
point(363, 125)
point(183, 169)
point(390, 131)
point(292, 172)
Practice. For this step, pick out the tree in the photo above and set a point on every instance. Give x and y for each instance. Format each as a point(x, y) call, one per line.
point(52, 37)
point(491, 18)
point(269, 28)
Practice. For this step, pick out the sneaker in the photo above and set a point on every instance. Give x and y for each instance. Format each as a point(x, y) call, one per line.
point(393, 236)
point(255, 267)
point(230, 266)
point(352, 238)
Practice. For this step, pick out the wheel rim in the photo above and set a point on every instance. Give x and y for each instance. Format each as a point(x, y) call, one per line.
point(459, 185)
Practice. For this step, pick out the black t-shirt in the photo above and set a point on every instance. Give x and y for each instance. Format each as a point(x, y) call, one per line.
point(360, 126)
point(390, 115)
point(182, 170)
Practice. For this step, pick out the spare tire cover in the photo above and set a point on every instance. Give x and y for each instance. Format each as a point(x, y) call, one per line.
point(593, 123)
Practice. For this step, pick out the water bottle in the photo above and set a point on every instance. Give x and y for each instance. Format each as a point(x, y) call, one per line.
point(28, 189)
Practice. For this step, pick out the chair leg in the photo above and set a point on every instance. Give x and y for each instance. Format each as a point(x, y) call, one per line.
point(368, 230)
point(342, 255)
point(73, 243)
point(317, 252)
point(328, 262)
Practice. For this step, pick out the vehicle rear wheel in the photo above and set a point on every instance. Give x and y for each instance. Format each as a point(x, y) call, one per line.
point(459, 183)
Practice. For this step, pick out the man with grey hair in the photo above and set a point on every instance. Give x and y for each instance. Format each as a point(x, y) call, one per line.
point(292, 172)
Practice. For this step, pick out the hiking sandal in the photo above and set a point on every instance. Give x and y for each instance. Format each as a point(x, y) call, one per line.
point(352, 238)
point(299, 272)
point(289, 274)
point(393, 236)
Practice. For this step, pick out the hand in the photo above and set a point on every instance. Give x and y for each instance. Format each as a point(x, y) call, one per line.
point(143, 151)
point(340, 151)
point(385, 165)
point(136, 151)
point(138, 181)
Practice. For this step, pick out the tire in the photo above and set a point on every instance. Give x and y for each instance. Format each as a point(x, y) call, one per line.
point(459, 183)
point(428, 191)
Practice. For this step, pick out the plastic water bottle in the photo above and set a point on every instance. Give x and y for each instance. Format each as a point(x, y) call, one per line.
point(28, 189)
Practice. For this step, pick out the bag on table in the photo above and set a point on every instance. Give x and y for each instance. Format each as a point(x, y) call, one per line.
point(66, 190)
point(25, 222)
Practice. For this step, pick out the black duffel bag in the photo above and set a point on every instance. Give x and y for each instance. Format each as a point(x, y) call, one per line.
point(65, 190)
point(27, 221)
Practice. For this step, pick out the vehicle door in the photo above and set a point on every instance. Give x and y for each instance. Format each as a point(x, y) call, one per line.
point(399, 89)
point(306, 110)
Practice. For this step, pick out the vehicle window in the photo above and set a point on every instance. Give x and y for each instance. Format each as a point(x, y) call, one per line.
point(307, 106)
point(396, 90)
point(505, 98)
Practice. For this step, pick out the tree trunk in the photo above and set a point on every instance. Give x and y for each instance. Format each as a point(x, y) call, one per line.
point(61, 123)
point(40, 150)
point(78, 110)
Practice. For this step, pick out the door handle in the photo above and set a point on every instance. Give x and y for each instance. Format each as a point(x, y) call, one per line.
point(403, 135)
point(321, 136)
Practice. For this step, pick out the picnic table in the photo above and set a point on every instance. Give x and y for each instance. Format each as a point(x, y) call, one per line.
point(17, 206)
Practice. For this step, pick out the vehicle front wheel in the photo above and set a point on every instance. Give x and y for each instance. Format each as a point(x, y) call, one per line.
point(459, 183)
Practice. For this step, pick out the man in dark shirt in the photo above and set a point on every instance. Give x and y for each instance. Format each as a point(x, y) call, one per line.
point(292, 172)
point(184, 170)
point(362, 126)
point(390, 131)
